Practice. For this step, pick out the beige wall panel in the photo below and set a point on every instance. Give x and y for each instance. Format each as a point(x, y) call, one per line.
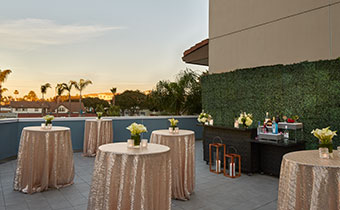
point(304, 37)
point(335, 28)
point(227, 16)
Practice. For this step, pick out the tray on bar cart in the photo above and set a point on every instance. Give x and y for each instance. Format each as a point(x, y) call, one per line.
point(270, 137)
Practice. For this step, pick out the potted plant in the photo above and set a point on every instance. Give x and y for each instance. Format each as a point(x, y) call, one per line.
point(99, 115)
point(204, 118)
point(245, 119)
point(48, 121)
point(173, 126)
point(325, 137)
point(136, 130)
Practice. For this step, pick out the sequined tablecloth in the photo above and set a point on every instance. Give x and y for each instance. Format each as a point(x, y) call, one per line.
point(308, 182)
point(182, 147)
point(131, 179)
point(45, 159)
point(97, 132)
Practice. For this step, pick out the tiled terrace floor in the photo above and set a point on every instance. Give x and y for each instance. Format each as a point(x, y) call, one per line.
point(214, 192)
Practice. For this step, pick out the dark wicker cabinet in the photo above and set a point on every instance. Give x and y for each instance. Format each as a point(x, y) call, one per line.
point(256, 156)
point(237, 141)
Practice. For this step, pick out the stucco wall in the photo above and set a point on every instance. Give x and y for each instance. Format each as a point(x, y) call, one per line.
point(252, 33)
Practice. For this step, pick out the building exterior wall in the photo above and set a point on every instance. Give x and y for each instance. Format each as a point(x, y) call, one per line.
point(252, 33)
point(26, 110)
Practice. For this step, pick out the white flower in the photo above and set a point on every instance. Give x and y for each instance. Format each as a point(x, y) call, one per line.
point(325, 135)
point(204, 117)
point(249, 121)
point(245, 119)
point(173, 122)
point(48, 118)
point(137, 129)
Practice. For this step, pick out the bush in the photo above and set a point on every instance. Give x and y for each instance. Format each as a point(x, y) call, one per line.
point(310, 90)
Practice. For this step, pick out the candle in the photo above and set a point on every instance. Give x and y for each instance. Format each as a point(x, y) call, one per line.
point(144, 143)
point(236, 125)
point(218, 166)
point(232, 169)
point(130, 143)
point(324, 153)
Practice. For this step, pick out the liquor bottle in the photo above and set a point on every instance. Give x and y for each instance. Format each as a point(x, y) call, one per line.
point(277, 118)
point(258, 128)
point(286, 135)
point(266, 118)
point(275, 129)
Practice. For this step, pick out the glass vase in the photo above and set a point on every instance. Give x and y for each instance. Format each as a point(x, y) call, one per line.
point(136, 139)
point(329, 146)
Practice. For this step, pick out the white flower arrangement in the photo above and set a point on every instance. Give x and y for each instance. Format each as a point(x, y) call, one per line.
point(173, 122)
point(99, 115)
point(204, 118)
point(48, 119)
point(245, 119)
point(137, 129)
point(324, 135)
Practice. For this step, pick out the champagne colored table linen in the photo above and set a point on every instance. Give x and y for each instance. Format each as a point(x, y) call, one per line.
point(45, 159)
point(97, 132)
point(131, 179)
point(182, 147)
point(309, 182)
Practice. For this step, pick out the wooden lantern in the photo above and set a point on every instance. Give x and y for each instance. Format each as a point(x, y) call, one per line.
point(232, 165)
point(218, 161)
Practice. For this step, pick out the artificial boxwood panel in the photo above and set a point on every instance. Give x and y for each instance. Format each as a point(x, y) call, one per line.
point(310, 90)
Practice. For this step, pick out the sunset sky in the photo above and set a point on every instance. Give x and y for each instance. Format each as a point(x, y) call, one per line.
point(125, 44)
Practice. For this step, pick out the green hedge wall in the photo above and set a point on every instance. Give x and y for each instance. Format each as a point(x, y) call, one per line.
point(310, 90)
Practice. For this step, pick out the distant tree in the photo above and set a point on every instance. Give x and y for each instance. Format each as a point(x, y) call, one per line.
point(43, 89)
point(113, 111)
point(3, 76)
point(59, 89)
point(3, 99)
point(16, 93)
point(113, 91)
point(92, 104)
point(31, 96)
point(180, 97)
point(80, 86)
point(131, 100)
point(68, 88)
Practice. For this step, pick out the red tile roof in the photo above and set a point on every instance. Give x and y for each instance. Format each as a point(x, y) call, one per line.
point(196, 47)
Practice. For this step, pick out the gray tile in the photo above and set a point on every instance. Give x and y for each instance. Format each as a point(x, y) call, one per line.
point(38, 204)
point(212, 191)
point(81, 207)
point(17, 206)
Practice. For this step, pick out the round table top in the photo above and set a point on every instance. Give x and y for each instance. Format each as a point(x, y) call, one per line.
point(39, 128)
point(167, 133)
point(312, 158)
point(96, 120)
point(121, 148)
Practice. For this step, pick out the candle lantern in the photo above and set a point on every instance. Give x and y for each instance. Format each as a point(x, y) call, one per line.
point(214, 159)
point(235, 160)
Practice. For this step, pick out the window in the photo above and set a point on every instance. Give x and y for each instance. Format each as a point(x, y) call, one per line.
point(61, 109)
point(36, 109)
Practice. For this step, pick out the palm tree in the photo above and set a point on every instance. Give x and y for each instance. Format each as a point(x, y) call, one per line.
point(80, 87)
point(3, 76)
point(181, 96)
point(16, 93)
point(43, 89)
point(113, 91)
point(60, 89)
point(68, 88)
